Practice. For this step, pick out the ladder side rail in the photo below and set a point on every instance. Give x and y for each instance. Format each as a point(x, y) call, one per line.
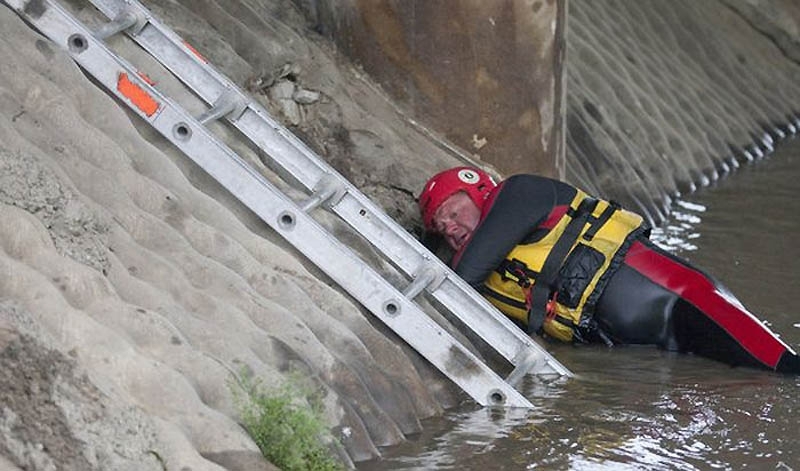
point(519, 344)
point(307, 168)
point(281, 213)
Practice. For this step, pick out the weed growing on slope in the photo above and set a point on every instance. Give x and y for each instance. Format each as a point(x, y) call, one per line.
point(289, 433)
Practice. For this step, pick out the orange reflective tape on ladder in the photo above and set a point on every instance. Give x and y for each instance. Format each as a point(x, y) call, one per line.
point(145, 77)
point(195, 52)
point(140, 98)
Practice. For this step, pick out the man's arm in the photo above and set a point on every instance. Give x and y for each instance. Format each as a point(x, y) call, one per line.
point(521, 204)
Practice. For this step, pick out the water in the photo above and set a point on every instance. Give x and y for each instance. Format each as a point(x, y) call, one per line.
point(641, 408)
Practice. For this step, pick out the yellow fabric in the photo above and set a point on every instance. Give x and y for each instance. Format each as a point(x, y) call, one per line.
point(506, 293)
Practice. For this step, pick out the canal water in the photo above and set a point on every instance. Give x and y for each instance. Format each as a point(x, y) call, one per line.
point(641, 408)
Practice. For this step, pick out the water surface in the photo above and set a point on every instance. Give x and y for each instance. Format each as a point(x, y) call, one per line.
point(641, 408)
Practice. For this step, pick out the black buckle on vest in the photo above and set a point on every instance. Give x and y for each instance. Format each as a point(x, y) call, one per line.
point(519, 271)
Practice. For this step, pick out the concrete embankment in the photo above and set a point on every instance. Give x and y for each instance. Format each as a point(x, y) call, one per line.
point(133, 289)
point(665, 97)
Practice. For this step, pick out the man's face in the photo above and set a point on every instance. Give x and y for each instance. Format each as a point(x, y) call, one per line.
point(456, 218)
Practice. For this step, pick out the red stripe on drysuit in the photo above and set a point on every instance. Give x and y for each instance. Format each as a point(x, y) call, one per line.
point(697, 289)
point(555, 215)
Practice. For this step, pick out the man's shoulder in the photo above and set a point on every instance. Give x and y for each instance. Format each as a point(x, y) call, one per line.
point(535, 181)
point(529, 178)
point(528, 186)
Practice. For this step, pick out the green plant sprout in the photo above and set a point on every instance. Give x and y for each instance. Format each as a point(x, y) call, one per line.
point(290, 433)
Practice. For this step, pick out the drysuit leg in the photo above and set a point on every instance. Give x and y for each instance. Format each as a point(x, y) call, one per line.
point(657, 298)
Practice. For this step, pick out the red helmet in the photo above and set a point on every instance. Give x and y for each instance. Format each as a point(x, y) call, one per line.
point(473, 181)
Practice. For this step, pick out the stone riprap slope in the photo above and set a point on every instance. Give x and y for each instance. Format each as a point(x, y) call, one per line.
point(666, 96)
point(134, 291)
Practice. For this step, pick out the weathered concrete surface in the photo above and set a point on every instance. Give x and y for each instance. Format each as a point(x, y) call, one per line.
point(778, 20)
point(146, 288)
point(664, 97)
point(486, 75)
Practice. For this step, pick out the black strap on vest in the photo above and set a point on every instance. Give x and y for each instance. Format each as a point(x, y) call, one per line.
point(540, 293)
point(612, 207)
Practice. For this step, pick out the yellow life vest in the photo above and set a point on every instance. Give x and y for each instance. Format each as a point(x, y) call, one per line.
point(596, 249)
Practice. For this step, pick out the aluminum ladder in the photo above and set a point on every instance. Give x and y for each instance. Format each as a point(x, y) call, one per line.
point(294, 161)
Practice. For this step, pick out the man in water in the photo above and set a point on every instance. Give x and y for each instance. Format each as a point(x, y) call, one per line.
point(579, 269)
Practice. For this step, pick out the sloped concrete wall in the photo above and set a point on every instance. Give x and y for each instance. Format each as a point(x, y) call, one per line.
point(664, 97)
point(778, 20)
point(485, 75)
point(133, 288)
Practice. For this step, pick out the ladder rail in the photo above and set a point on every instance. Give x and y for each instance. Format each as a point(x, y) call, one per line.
point(301, 163)
point(276, 209)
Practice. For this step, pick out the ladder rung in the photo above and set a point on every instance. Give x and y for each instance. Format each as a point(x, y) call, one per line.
point(427, 278)
point(327, 190)
point(229, 105)
point(127, 19)
point(523, 367)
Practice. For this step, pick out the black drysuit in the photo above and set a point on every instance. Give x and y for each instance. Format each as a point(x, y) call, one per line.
point(652, 297)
